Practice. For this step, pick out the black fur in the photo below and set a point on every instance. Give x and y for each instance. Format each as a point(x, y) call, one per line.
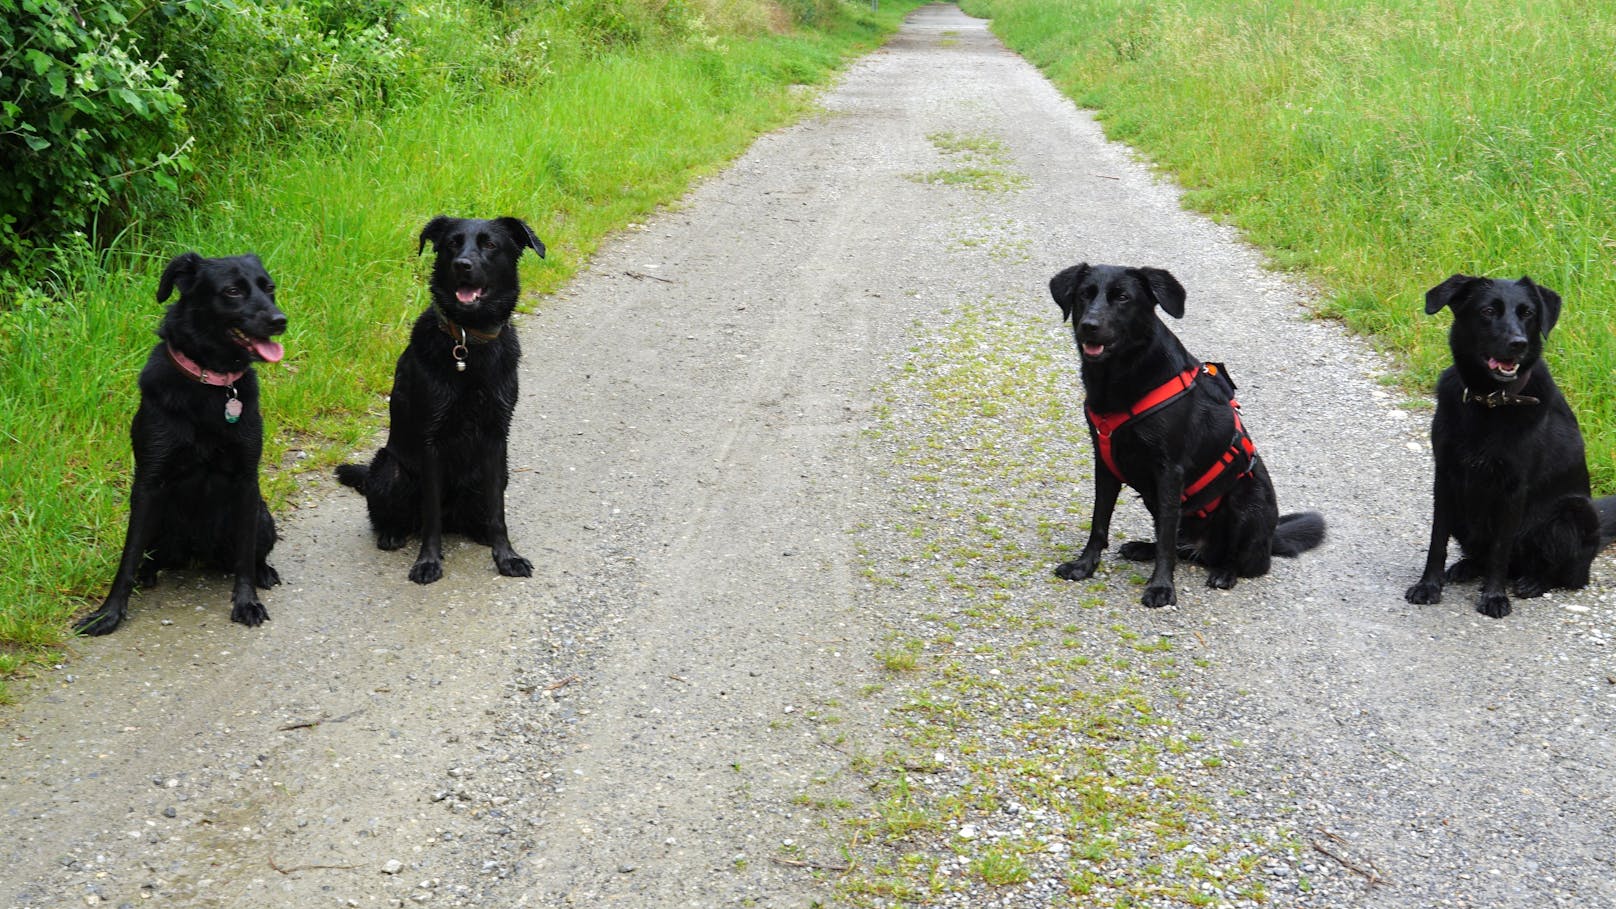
point(1511, 474)
point(443, 467)
point(195, 496)
point(1126, 353)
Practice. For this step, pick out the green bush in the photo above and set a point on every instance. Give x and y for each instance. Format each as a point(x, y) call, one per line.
point(88, 123)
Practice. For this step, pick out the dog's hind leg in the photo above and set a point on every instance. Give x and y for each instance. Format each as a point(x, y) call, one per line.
point(392, 498)
point(1558, 552)
point(265, 575)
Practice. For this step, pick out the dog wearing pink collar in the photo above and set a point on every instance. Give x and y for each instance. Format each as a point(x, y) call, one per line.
point(198, 436)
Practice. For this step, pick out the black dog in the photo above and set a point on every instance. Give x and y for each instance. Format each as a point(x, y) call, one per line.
point(454, 389)
point(1167, 424)
point(197, 437)
point(1511, 476)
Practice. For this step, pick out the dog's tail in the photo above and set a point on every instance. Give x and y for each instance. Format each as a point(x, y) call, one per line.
point(353, 475)
point(1606, 507)
point(1297, 533)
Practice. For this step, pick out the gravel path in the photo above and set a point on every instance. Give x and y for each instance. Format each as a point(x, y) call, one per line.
point(794, 460)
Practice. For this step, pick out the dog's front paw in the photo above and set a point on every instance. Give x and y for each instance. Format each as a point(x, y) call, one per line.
point(1138, 550)
point(388, 542)
point(514, 566)
point(1157, 597)
point(1222, 579)
point(1493, 605)
point(249, 612)
point(426, 571)
point(102, 621)
point(1077, 569)
point(267, 576)
point(1424, 593)
point(1528, 587)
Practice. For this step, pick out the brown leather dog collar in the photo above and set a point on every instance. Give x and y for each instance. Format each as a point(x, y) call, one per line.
point(1508, 395)
point(467, 335)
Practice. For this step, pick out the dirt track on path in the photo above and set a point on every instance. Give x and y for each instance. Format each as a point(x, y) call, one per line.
point(698, 446)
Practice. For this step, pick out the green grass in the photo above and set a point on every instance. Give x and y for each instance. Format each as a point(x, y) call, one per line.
point(1379, 146)
point(602, 140)
point(982, 163)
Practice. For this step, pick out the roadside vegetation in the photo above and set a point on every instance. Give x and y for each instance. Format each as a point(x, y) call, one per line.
point(320, 134)
point(1378, 147)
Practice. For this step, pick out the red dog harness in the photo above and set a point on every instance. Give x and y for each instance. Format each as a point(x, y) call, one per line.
point(1203, 496)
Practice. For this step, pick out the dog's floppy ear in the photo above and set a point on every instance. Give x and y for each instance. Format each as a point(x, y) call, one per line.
point(1451, 292)
point(181, 270)
point(1063, 287)
point(1548, 299)
point(1165, 288)
point(522, 234)
point(433, 231)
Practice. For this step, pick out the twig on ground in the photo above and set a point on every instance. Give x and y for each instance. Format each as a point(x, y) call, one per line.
point(1372, 875)
point(296, 868)
point(817, 866)
point(310, 724)
point(563, 682)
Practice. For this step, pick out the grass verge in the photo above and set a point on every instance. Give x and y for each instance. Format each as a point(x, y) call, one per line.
point(592, 147)
point(1380, 146)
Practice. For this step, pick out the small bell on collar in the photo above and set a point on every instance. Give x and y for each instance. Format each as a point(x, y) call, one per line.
point(460, 357)
point(232, 406)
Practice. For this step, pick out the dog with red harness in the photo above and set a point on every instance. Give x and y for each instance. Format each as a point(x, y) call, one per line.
point(1168, 425)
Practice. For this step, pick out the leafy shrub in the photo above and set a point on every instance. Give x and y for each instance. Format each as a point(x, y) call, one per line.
point(87, 122)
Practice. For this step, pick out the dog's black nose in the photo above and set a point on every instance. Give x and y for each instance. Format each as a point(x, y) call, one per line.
point(462, 264)
point(1517, 346)
point(277, 323)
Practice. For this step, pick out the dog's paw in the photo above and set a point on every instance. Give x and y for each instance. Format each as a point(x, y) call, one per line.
point(514, 566)
point(267, 576)
point(1138, 550)
point(1493, 605)
point(102, 621)
point(425, 572)
point(1157, 597)
point(1076, 570)
point(1462, 571)
point(1529, 587)
point(1424, 593)
point(1222, 579)
point(250, 613)
point(388, 542)
point(146, 577)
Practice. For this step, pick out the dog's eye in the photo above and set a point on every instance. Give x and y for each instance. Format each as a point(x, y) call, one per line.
point(269, 289)
point(1524, 313)
point(1120, 296)
point(232, 291)
point(488, 244)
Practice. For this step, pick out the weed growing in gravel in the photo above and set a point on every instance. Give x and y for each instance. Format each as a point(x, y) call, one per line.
point(983, 164)
point(1044, 768)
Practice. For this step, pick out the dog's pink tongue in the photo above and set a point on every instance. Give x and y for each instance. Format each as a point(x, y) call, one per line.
point(267, 350)
point(1501, 365)
point(468, 294)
